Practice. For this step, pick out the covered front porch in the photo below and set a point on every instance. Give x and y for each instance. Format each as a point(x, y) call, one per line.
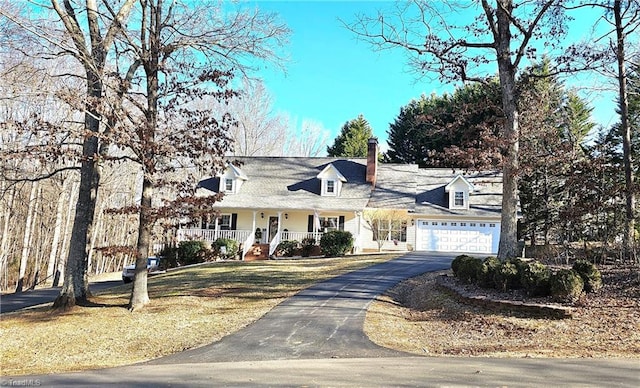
point(267, 228)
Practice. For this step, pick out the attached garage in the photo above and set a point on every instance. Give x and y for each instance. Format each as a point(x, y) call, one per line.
point(457, 236)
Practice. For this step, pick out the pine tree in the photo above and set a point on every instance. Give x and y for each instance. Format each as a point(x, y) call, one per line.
point(353, 139)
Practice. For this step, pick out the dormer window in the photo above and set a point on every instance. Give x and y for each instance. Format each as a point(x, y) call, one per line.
point(331, 181)
point(232, 180)
point(228, 185)
point(331, 187)
point(459, 190)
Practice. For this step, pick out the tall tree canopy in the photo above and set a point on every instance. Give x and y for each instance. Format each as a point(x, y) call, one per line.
point(502, 32)
point(353, 139)
point(453, 130)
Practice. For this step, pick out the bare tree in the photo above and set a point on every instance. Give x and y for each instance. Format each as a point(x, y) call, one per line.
point(176, 54)
point(626, 21)
point(441, 43)
point(309, 139)
point(260, 131)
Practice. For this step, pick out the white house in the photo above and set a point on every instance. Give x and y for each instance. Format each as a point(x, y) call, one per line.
point(271, 199)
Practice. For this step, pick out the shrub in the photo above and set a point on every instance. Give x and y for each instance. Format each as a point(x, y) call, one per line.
point(534, 277)
point(308, 243)
point(566, 285)
point(455, 264)
point(506, 276)
point(488, 271)
point(169, 257)
point(468, 269)
point(226, 248)
point(590, 275)
point(287, 248)
point(336, 243)
point(192, 251)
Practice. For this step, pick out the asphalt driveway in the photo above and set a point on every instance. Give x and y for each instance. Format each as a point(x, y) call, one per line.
point(316, 339)
point(323, 321)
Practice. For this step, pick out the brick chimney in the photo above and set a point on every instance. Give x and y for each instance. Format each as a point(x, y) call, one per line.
point(372, 161)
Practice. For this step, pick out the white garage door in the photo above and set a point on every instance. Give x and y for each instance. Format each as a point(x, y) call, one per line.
point(458, 236)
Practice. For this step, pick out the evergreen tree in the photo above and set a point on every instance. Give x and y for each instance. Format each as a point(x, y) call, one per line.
point(352, 140)
point(453, 130)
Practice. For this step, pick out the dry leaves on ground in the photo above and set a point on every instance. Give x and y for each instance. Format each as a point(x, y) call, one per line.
point(418, 317)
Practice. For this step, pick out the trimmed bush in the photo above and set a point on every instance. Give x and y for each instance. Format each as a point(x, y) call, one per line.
point(336, 243)
point(308, 243)
point(468, 269)
point(455, 264)
point(192, 251)
point(566, 285)
point(488, 271)
point(226, 248)
point(287, 248)
point(534, 277)
point(169, 257)
point(590, 275)
point(506, 277)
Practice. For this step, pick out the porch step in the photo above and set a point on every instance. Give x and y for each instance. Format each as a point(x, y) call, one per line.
point(258, 252)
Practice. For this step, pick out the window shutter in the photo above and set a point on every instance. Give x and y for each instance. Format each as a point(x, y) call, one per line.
point(341, 223)
point(234, 220)
point(310, 223)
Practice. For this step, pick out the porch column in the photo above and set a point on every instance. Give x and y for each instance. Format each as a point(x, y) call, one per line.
point(216, 229)
point(279, 222)
point(253, 223)
point(358, 215)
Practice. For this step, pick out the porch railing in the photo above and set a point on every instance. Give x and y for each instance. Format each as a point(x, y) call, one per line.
point(251, 238)
point(212, 235)
point(299, 236)
point(274, 243)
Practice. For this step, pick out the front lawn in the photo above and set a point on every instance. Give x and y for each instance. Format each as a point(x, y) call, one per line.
point(189, 308)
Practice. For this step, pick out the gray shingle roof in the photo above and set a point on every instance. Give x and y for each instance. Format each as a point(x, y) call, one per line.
point(431, 198)
point(292, 183)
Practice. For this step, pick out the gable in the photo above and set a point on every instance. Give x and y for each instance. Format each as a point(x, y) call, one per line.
point(331, 180)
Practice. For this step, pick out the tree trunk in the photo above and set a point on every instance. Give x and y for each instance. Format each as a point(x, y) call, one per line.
point(629, 224)
point(150, 62)
point(26, 242)
point(139, 293)
point(508, 247)
point(4, 241)
point(75, 289)
point(57, 230)
point(60, 262)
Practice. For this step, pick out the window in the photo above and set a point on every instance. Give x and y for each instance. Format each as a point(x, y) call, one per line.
point(454, 224)
point(458, 198)
point(482, 225)
point(331, 187)
point(434, 223)
point(329, 223)
point(444, 224)
point(492, 225)
point(472, 224)
point(228, 185)
point(390, 230)
point(463, 224)
point(224, 222)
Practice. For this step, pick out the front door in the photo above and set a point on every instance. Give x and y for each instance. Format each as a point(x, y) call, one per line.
point(273, 227)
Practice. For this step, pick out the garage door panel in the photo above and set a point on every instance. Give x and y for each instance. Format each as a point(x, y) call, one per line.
point(457, 236)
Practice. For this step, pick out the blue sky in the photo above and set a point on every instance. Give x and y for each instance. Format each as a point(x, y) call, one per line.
point(332, 77)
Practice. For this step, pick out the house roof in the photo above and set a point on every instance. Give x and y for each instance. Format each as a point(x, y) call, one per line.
point(432, 199)
point(460, 178)
point(292, 183)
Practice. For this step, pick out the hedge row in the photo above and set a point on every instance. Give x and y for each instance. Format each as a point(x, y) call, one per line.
point(534, 277)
